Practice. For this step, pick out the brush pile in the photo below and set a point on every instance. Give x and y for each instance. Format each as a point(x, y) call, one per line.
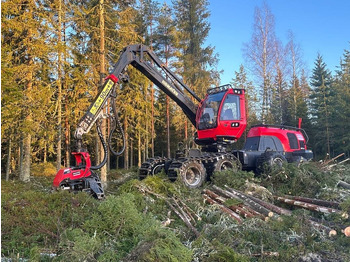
point(293, 214)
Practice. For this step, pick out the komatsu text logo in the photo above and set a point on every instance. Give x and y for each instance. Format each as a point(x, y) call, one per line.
point(170, 88)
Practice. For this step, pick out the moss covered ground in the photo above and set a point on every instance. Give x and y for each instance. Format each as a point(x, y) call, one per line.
point(130, 224)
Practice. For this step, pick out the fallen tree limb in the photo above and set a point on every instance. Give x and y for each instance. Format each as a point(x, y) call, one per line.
point(183, 218)
point(331, 160)
point(341, 162)
point(266, 254)
point(179, 214)
point(223, 208)
point(190, 211)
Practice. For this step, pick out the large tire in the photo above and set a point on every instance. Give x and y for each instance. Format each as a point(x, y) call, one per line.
point(192, 174)
point(151, 167)
point(269, 161)
point(227, 162)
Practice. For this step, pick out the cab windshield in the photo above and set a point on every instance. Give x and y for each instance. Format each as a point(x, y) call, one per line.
point(210, 110)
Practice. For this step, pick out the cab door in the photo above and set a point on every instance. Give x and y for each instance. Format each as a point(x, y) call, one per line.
point(230, 115)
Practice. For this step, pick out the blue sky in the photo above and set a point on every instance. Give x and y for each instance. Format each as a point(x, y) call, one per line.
point(319, 26)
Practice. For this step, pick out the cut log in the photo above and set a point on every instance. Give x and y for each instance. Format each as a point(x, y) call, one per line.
point(315, 201)
point(244, 207)
point(252, 204)
point(272, 207)
point(346, 231)
point(223, 208)
point(313, 207)
point(343, 184)
point(331, 232)
point(234, 208)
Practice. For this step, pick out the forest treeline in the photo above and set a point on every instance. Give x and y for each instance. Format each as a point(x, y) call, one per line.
point(56, 54)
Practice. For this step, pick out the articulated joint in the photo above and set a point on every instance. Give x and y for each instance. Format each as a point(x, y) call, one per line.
point(112, 77)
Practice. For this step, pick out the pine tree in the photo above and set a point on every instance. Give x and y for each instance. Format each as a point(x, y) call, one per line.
point(164, 39)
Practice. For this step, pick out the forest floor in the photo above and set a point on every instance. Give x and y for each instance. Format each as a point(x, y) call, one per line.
point(140, 220)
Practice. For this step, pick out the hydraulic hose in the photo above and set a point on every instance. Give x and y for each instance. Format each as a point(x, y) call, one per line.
point(105, 150)
point(116, 122)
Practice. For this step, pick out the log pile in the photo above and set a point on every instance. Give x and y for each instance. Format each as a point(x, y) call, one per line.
point(249, 206)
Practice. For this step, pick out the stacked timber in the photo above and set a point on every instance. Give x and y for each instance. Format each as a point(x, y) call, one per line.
point(248, 206)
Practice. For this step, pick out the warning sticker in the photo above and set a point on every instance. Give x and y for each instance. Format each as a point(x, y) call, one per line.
point(300, 137)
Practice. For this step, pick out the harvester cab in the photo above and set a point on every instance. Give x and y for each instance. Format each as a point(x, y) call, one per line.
point(221, 117)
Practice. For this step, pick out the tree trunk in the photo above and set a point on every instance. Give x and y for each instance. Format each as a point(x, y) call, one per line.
point(8, 163)
point(59, 86)
point(102, 74)
point(145, 156)
point(27, 156)
point(168, 125)
point(126, 151)
point(20, 156)
point(67, 135)
point(45, 150)
point(152, 120)
point(139, 150)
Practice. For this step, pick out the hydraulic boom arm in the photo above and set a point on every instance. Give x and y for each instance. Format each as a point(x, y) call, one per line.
point(144, 59)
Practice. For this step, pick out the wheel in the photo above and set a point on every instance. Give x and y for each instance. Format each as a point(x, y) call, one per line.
point(227, 162)
point(193, 174)
point(152, 166)
point(269, 161)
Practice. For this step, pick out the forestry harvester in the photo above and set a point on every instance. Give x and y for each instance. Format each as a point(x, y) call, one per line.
point(219, 118)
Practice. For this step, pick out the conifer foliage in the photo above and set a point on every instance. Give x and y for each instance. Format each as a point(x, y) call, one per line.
point(55, 55)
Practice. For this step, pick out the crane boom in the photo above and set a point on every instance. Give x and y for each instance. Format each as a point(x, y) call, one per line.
point(144, 59)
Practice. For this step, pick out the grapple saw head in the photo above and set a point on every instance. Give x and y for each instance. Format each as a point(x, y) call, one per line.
point(80, 177)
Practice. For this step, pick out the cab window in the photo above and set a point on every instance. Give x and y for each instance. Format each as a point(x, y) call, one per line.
point(211, 107)
point(293, 141)
point(267, 142)
point(230, 108)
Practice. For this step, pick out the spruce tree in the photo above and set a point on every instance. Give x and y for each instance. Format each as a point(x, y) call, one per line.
point(197, 62)
point(24, 35)
point(341, 110)
point(321, 99)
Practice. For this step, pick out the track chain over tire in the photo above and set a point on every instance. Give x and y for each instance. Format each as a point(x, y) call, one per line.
point(268, 161)
point(152, 166)
point(194, 171)
point(227, 161)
